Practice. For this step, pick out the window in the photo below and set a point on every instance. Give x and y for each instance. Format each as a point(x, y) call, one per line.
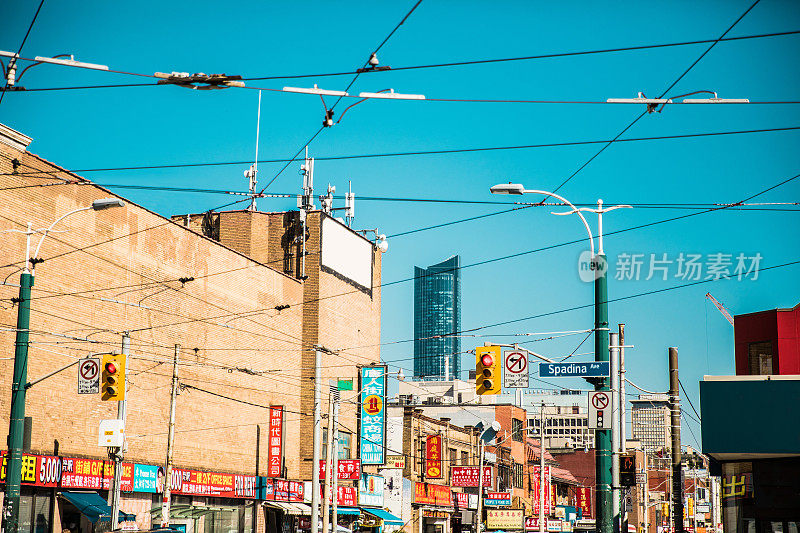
point(344, 445)
point(464, 458)
point(516, 429)
point(760, 356)
point(518, 476)
point(453, 455)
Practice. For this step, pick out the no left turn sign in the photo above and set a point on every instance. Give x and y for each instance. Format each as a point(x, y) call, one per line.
point(89, 376)
point(515, 369)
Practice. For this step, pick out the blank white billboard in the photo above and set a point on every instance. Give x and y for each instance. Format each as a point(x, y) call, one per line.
point(346, 253)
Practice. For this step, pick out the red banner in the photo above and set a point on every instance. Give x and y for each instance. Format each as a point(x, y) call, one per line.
point(467, 476)
point(433, 456)
point(584, 501)
point(532, 523)
point(433, 494)
point(212, 484)
point(275, 444)
point(348, 469)
point(70, 473)
point(347, 496)
point(536, 488)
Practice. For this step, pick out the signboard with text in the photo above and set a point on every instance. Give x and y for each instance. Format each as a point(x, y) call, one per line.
point(536, 489)
point(433, 456)
point(348, 468)
point(275, 443)
point(372, 423)
point(584, 500)
point(194, 482)
point(515, 369)
point(370, 490)
point(600, 410)
point(497, 499)
point(597, 369)
point(428, 493)
point(395, 461)
point(504, 518)
point(467, 476)
point(69, 472)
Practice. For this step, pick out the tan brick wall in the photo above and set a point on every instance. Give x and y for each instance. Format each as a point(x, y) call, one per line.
point(125, 278)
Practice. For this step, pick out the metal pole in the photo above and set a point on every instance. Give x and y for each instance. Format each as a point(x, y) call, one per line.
point(165, 502)
point(541, 468)
point(616, 493)
point(623, 430)
point(329, 473)
point(479, 527)
point(317, 442)
point(675, 409)
point(602, 436)
point(16, 427)
point(118, 455)
point(335, 467)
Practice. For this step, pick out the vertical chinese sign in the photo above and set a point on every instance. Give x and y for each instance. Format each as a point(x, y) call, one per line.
point(433, 456)
point(584, 502)
point(275, 441)
point(372, 430)
point(536, 488)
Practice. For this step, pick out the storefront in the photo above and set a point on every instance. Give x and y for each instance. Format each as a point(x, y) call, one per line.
point(463, 520)
point(432, 508)
point(381, 520)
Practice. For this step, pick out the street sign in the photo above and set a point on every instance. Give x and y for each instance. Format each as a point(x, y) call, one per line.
point(600, 410)
point(575, 370)
point(497, 499)
point(515, 369)
point(89, 375)
point(641, 478)
point(395, 461)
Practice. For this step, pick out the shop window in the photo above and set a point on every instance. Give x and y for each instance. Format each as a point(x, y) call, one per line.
point(25, 513)
point(41, 514)
point(516, 429)
point(760, 355)
point(464, 458)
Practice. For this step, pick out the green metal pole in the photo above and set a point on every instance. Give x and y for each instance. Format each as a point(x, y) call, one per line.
point(604, 518)
point(17, 423)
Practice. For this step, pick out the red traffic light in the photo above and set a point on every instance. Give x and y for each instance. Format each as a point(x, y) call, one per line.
point(111, 368)
point(487, 360)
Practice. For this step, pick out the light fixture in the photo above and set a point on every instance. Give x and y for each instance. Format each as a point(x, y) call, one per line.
point(391, 95)
point(508, 188)
point(640, 99)
point(106, 203)
point(382, 243)
point(314, 90)
point(715, 100)
point(70, 63)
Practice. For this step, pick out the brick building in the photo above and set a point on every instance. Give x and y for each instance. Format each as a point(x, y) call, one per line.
point(230, 301)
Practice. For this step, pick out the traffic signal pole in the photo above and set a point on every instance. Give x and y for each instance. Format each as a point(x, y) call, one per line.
point(166, 500)
point(616, 493)
point(602, 436)
point(117, 455)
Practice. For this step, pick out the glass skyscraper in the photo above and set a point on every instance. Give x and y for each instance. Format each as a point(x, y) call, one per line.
point(437, 311)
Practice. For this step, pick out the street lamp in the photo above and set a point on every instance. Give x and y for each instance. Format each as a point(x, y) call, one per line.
point(19, 385)
point(597, 264)
point(485, 436)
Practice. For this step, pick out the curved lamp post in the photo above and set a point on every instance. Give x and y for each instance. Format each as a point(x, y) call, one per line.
point(20, 384)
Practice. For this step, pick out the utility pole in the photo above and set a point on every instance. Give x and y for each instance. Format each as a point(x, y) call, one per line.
point(317, 440)
point(675, 409)
point(165, 502)
point(329, 473)
point(117, 455)
point(602, 436)
point(541, 469)
point(616, 493)
point(623, 432)
point(335, 460)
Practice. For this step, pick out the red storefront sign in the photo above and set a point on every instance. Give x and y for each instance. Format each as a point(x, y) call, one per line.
point(275, 444)
point(584, 501)
point(532, 523)
point(431, 494)
point(433, 456)
point(467, 476)
point(347, 496)
point(461, 499)
point(348, 469)
point(536, 488)
point(212, 484)
point(69, 472)
point(281, 492)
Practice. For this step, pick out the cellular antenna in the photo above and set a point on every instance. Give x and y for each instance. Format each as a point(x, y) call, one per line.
point(252, 173)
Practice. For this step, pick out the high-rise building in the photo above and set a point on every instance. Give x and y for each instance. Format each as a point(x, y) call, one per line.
point(650, 418)
point(437, 317)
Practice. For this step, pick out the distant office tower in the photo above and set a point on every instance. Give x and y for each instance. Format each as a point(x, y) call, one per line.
point(437, 311)
point(650, 418)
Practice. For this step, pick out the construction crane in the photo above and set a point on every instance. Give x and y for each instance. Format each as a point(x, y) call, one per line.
point(721, 308)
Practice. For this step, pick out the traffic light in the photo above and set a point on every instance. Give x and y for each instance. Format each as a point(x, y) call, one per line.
point(487, 370)
point(627, 470)
point(112, 387)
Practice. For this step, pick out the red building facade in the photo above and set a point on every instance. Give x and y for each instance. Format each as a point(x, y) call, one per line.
point(768, 342)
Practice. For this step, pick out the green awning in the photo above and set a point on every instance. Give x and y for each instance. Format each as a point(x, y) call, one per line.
point(93, 507)
point(387, 517)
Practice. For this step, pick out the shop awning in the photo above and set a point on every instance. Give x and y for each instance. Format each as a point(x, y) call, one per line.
point(387, 517)
point(347, 510)
point(93, 507)
point(296, 509)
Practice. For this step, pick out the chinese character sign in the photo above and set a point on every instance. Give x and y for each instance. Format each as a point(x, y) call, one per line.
point(537, 488)
point(275, 443)
point(584, 503)
point(370, 490)
point(467, 476)
point(372, 431)
point(433, 456)
point(348, 468)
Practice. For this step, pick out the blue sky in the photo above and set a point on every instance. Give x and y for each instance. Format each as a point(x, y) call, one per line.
point(83, 129)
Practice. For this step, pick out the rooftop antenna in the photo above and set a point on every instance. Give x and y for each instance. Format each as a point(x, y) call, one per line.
point(305, 203)
point(252, 173)
point(349, 204)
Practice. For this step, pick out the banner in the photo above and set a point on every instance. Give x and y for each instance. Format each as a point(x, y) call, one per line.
point(372, 427)
point(497, 499)
point(275, 449)
point(193, 482)
point(370, 490)
point(346, 496)
point(431, 494)
point(433, 456)
point(69, 472)
point(348, 469)
point(504, 519)
point(466, 501)
point(467, 476)
point(536, 488)
point(148, 478)
point(584, 501)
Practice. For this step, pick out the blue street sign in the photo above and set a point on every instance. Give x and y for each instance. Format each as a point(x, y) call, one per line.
point(574, 370)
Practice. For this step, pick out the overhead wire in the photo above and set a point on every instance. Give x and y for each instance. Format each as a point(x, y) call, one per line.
point(21, 46)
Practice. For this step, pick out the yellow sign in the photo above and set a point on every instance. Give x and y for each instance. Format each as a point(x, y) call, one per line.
point(504, 518)
point(395, 461)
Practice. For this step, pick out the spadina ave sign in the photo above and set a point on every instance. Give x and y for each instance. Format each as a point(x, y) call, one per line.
point(575, 370)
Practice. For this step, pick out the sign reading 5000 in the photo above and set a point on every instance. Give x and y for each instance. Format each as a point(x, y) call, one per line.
point(372, 433)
